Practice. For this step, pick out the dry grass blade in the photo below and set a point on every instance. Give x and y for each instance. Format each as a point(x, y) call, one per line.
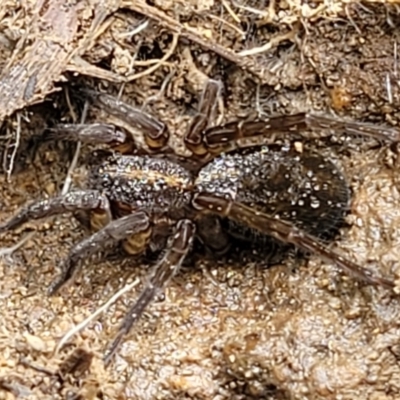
point(7, 251)
point(76, 329)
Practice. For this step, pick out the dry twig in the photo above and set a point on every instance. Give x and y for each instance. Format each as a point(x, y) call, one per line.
point(160, 62)
point(74, 162)
point(194, 36)
point(231, 12)
point(271, 44)
point(16, 145)
point(76, 329)
point(7, 251)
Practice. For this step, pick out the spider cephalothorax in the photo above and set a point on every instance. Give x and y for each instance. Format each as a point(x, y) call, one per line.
point(235, 184)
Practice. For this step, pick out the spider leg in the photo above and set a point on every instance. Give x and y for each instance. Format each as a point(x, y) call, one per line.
point(384, 133)
point(178, 245)
point(156, 133)
point(285, 232)
point(80, 200)
point(86, 133)
point(207, 107)
point(247, 133)
point(115, 231)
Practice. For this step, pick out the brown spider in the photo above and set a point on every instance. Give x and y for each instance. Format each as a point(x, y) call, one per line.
point(233, 185)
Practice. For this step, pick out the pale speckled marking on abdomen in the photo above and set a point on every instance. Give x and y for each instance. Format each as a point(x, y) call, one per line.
point(304, 188)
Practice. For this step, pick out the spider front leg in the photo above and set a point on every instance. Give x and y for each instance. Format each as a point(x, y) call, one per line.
point(80, 200)
point(206, 142)
point(194, 137)
point(247, 133)
point(284, 232)
point(132, 225)
point(156, 134)
point(86, 133)
point(178, 246)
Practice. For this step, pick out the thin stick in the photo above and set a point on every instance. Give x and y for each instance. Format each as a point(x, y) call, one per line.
point(272, 43)
point(230, 11)
point(228, 24)
point(389, 88)
point(151, 69)
point(135, 31)
point(194, 36)
point(68, 179)
point(16, 145)
point(160, 92)
point(76, 329)
point(7, 251)
point(70, 107)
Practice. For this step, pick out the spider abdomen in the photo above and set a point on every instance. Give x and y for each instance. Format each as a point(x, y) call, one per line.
point(304, 188)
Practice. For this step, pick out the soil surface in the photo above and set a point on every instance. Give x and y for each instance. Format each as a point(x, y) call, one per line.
point(231, 329)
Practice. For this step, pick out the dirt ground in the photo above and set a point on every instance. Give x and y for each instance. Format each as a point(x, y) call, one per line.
point(224, 330)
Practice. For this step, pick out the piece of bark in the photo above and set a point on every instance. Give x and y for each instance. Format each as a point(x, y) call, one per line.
point(59, 32)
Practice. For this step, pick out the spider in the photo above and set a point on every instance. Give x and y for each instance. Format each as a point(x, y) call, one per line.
point(234, 185)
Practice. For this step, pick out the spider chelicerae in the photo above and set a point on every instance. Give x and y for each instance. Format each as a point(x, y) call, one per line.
point(236, 184)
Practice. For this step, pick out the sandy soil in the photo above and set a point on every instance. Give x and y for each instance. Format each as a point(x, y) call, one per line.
point(232, 330)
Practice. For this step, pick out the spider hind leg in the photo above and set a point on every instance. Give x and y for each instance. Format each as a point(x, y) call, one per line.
point(285, 232)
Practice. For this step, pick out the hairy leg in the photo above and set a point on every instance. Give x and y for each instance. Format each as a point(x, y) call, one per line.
point(234, 135)
point(207, 105)
point(178, 246)
point(156, 134)
point(115, 231)
point(86, 133)
point(80, 200)
point(284, 232)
